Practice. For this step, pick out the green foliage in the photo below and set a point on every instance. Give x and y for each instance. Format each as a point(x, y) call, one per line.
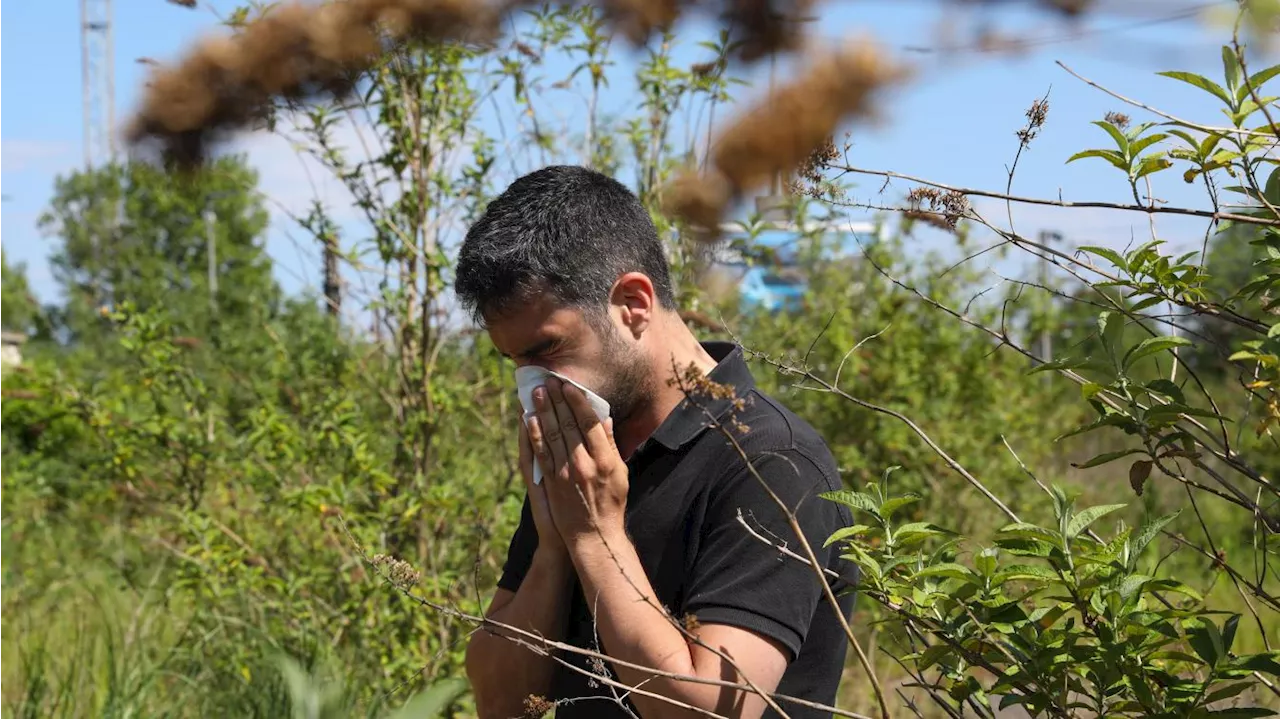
point(135, 233)
point(1053, 618)
point(196, 466)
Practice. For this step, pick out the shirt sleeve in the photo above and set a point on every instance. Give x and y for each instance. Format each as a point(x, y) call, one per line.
point(737, 579)
point(520, 550)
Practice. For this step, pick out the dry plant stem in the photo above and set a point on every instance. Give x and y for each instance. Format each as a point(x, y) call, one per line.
point(863, 659)
point(813, 560)
point(1239, 497)
point(1195, 506)
point(907, 617)
point(1161, 113)
point(1258, 591)
point(688, 635)
point(1244, 72)
point(1146, 209)
point(537, 643)
point(824, 386)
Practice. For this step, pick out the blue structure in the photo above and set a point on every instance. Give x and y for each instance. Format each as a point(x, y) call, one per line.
point(778, 286)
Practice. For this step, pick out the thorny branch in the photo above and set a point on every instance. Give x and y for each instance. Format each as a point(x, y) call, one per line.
point(804, 542)
point(543, 646)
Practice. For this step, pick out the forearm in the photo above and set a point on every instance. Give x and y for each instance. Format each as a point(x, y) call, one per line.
point(502, 672)
point(633, 629)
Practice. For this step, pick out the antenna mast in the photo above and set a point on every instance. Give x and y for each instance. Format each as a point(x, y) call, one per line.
point(98, 78)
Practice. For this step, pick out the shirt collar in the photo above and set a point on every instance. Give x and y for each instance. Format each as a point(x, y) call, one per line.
point(689, 417)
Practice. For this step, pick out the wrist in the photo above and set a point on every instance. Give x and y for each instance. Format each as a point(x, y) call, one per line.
point(591, 544)
point(554, 557)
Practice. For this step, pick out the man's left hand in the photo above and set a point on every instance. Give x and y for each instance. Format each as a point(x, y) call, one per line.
point(587, 489)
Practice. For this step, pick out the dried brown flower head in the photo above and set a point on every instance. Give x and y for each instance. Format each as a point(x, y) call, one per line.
point(783, 129)
point(1036, 115)
point(1119, 119)
point(818, 160)
point(294, 52)
point(400, 572)
point(691, 623)
point(535, 706)
point(945, 208)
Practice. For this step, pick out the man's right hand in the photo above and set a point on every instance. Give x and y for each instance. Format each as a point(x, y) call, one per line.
point(549, 539)
point(502, 673)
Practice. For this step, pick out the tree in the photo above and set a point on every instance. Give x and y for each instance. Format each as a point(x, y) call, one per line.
point(22, 311)
point(135, 232)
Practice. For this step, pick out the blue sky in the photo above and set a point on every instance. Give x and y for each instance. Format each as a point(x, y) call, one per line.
point(954, 122)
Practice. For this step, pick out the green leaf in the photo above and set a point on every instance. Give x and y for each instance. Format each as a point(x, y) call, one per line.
point(1105, 458)
point(1228, 691)
point(1151, 346)
point(1144, 304)
point(1151, 165)
point(1122, 142)
point(930, 656)
point(1168, 389)
point(893, 504)
point(1106, 252)
point(432, 701)
point(1132, 584)
point(1256, 81)
point(1239, 713)
point(1024, 572)
point(855, 500)
point(948, 570)
point(1266, 662)
point(1138, 542)
point(845, 532)
point(1110, 156)
point(1143, 143)
point(1229, 632)
point(985, 562)
point(1032, 531)
point(1230, 68)
point(1206, 641)
point(1201, 82)
point(1111, 327)
point(1081, 521)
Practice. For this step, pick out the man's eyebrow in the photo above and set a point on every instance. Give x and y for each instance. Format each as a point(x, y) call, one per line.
point(535, 349)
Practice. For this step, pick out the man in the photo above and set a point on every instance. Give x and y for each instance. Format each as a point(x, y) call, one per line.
point(645, 511)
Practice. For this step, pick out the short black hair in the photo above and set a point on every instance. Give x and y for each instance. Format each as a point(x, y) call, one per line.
point(565, 229)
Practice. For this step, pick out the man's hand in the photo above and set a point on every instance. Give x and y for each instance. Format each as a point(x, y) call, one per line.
point(549, 539)
point(584, 476)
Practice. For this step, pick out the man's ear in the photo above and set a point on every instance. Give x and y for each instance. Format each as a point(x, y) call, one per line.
point(634, 298)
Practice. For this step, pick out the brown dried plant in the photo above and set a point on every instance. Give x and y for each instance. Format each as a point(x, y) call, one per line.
point(783, 130)
point(293, 52)
point(308, 52)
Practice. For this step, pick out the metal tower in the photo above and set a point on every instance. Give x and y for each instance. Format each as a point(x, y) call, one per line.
point(98, 76)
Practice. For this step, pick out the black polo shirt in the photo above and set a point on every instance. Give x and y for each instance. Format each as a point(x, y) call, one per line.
point(688, 486)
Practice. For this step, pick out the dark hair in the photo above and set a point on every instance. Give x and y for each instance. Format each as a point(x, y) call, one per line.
point(564, 229)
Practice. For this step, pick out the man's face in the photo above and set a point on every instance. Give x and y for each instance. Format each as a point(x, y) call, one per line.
point(562, 339)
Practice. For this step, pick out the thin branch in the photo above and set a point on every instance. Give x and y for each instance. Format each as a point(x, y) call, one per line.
point(1146, 209)
point(1161, 113)
point(813, 559)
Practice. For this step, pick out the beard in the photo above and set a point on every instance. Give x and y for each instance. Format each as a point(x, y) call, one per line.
point(627, 382)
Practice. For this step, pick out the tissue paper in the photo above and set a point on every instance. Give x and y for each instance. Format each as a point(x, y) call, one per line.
point(530, 376)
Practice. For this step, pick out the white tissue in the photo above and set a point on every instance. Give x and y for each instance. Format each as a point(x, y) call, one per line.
point(530, 376)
